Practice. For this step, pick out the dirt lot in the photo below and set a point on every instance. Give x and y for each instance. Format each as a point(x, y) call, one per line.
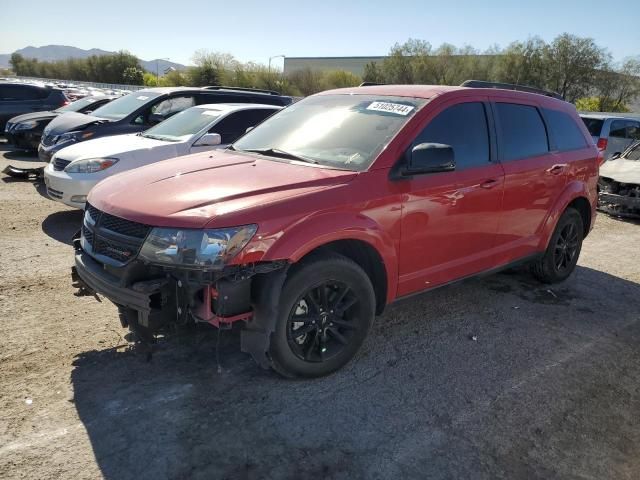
point(549, 388)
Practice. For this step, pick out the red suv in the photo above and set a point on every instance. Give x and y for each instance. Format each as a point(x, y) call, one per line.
point(333, 208)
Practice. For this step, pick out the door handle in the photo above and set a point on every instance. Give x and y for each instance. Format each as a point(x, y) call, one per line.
point(557, 169)
point(489, 183)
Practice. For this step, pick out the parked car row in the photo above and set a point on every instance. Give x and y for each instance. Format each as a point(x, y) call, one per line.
point(76, 169)
point(25, 131)
point(303, 226)
point(612, 133)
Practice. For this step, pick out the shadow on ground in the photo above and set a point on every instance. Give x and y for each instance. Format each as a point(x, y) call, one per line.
point(63, 225)
point(499, 377)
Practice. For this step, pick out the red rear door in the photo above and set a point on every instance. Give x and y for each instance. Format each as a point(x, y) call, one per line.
point(534, 177)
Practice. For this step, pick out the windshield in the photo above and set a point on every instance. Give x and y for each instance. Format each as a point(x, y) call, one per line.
point(124, 106)
point(183, 124)
point(341, 131)
point(77, 105)
point(594, 125)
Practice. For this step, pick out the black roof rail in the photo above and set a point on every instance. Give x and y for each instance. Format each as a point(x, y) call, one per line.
point(370, 84)
point(510, 86)
point(242, 89)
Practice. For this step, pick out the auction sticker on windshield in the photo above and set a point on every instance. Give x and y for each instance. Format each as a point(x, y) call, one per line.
point(397, 108)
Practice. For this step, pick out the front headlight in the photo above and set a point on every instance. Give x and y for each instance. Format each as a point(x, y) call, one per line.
point(74, 136)
point(90, 165)
point(25, 125)
point(198, 249)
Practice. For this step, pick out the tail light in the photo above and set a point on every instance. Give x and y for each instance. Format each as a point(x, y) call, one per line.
point(602, 144)
point(601, 156)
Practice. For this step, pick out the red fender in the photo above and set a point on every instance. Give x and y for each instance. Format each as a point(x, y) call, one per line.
point(317, 230)
point(573, 190)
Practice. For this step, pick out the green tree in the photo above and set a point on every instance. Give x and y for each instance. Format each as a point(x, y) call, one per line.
point(174, 78)
point(307, 81)
point(133, 76)
point(373, 73)
point(341, 79)
point(16, 61)
point(571, 63)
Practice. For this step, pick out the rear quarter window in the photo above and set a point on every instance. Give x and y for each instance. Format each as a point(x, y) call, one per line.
point(566, 134)
point(23, 92)
point(522, 131)
point(618, 129)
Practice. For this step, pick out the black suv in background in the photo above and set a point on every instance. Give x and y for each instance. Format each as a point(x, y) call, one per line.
point(25, 131)
point(16, 99)
point(140, 110)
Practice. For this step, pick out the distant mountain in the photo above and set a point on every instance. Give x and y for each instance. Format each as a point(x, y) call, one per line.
point(52, 53)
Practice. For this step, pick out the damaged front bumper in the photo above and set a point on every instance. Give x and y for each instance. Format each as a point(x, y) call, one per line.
point(619, 199)
point(155, 299)
point(620, 205)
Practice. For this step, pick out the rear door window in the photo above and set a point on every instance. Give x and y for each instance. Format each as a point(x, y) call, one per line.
point(566, 133)
point(463, 127)
point(173, 105)
point(523, 133)
point(594, 125)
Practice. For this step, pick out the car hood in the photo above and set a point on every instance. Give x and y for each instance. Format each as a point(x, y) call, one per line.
point(39, 116)
point(120, 146)
point(71, 121)
point(194, 190)
point(621, 170)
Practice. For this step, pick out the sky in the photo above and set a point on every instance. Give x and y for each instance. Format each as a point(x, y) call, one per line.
point(256, 30)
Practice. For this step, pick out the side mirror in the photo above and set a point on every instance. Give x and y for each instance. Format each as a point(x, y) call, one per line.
point(208, 140)
point(430, 158)
point(156, 118)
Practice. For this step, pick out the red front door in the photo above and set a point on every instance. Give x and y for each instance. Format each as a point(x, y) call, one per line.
point(449, 220)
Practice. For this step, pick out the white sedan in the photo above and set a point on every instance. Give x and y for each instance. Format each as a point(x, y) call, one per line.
point(76, 169)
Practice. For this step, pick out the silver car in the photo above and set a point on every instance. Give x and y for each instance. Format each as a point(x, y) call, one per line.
point(612, 132)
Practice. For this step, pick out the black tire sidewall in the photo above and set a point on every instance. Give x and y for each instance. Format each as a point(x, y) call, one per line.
point(335, 268)
point(550, 272)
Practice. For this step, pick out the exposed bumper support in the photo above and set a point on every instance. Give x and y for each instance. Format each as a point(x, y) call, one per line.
point(95, 279)
point(622, 205)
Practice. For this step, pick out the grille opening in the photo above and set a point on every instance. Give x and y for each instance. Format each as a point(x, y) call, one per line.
point(99, 235)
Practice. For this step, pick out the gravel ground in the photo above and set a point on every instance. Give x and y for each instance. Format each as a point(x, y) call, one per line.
point(496, 377)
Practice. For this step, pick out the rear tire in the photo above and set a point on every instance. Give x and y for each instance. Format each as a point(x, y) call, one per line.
point(326, 309)
point(560, 259)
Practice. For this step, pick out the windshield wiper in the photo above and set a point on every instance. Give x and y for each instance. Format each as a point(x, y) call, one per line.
point(276, 152)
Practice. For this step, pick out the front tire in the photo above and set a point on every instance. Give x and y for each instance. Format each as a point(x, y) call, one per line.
point(560, 259)
point(326, 309)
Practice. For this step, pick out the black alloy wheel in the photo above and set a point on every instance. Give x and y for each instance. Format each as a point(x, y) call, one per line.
point(321, 323)
point(326, 308)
